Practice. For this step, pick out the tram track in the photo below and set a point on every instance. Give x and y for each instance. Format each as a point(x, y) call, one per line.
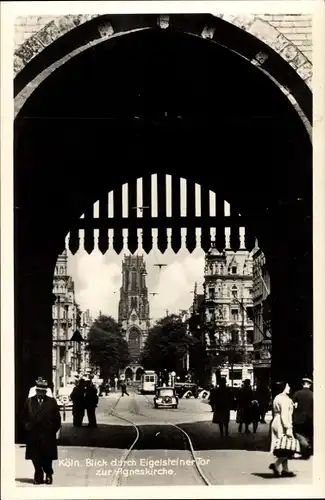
point(188, 445)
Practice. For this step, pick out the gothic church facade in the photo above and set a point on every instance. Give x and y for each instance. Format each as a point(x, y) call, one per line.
point(133, 312)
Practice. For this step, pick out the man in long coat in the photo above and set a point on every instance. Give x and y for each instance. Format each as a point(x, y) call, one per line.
point(303, 417)
point(90, 402)
point(244, 406)
point(222, 401)
point(42, 421)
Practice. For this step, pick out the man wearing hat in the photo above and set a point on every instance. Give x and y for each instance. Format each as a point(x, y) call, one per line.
point(303, 417)
point(42, 421)
point(32, 390)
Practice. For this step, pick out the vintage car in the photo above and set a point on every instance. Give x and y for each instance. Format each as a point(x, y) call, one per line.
point(186, 389)
point(165, 397)
point(63, 397)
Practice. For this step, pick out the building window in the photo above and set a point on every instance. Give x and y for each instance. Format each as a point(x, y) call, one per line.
point(234, 270)
point(250, 336)
point(234, 291)
point(250, 313)
point(234, 337)
point(211, 293)
point(234, 314)
point(134, 303)
point(235, 374)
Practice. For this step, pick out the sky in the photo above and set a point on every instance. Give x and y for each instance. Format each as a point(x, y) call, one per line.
point(98, 277)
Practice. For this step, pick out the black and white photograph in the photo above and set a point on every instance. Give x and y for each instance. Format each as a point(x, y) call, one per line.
point(163, 273)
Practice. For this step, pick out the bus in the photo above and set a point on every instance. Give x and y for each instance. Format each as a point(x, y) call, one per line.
point(148, 382)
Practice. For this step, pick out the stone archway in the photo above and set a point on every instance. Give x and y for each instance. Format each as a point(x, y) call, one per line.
point(263, 167)
point(139, 373)
point(253, 38)
point(128, 373)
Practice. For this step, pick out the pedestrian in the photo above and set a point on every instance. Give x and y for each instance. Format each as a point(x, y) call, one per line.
point(90, 402)
point(212, 397)
point(281, 425)
point(263, 398)
point(32, 390)
point(222, 403)
point(107, 388)
point(124, 389)
point(42, 421)
point(255, 411)
point(78, 400)
point(303, 427)
point(244, 406)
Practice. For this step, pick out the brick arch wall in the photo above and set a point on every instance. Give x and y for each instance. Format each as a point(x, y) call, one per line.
point(204, 26)
point(288, 29)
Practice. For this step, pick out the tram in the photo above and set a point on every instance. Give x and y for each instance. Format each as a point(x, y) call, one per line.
point(149, 381)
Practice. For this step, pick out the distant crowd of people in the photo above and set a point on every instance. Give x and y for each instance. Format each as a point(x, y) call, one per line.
point(251, 406)
point(291, 424)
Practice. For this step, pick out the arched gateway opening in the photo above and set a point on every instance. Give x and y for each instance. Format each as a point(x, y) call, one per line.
point(162, 101)
point(128, 374)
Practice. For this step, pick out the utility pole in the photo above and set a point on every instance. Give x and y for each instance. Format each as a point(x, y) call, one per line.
point(58, 353)
point(243, 336)
point(66, 357)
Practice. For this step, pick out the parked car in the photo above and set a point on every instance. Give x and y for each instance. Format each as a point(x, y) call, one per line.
point(186, 388)
point(63, 397)
point(165, 397)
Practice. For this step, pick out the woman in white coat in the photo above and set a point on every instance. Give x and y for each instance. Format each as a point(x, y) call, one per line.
point(281, 425)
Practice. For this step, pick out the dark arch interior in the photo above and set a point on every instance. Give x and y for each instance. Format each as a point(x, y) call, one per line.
point(238, 135)
point(139, 373)
point(234, 120)
point(128, 373)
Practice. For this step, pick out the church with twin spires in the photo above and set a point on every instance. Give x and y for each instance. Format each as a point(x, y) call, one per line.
point(133, 311)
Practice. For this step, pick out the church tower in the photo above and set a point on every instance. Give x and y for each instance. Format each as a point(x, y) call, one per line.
point(133, 312)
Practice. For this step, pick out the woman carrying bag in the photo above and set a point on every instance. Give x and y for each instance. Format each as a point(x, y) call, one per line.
point(283, 444)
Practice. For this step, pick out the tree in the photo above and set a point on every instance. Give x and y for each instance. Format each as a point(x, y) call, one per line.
point(107, 347)
point(167, 344)
point(199, 359)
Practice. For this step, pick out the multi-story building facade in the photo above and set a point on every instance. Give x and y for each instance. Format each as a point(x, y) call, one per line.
point(227, 308)
point(66, 354)
point(133, 313)
point(262, 317)
point(86, 321)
